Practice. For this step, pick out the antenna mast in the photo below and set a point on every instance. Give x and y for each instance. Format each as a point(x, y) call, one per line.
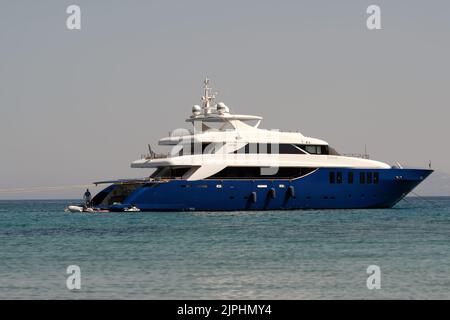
point(208, 96)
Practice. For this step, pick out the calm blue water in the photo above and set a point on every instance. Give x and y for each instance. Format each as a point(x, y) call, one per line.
point(319, 254)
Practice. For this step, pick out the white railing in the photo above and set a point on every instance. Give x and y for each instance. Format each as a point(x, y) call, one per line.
point(155, 156)
point(356, 155)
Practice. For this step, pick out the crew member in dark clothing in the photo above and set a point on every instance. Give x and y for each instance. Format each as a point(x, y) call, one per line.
point(87, 198)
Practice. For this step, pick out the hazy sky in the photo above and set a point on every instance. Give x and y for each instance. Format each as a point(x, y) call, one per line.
point(78, 106)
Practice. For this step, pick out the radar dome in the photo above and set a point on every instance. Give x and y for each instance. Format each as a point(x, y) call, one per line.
point(180, 132)
point(196, 110)
point(222, 108)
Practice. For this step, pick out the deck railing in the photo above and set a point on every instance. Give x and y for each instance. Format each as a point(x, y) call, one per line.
point(156, 156)
point(356, 155)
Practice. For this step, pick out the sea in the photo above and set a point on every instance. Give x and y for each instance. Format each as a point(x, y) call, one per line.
point(397, 253)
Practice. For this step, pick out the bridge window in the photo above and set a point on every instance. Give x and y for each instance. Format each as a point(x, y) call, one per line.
point(315, 149)
point(263, 148)
point(283, 148)
point(289, 149)
point(311, 149)
point(258, 148)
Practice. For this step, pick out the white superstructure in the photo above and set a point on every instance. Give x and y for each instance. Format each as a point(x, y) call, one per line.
point(221, 139)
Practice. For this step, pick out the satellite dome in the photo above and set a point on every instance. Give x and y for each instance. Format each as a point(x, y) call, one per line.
point(196, 110)
point(180, 132)
point(222, 108)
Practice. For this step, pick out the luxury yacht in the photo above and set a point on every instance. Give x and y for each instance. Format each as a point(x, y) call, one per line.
point(226, 162)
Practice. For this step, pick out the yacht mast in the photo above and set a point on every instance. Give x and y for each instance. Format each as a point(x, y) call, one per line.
point(208, 96)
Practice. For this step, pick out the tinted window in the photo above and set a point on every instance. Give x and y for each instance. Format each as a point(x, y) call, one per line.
point(284, 148)
point(169, 172)
point(253, 148)
point(311, 149)
point(260, 173)
point(376, 177)
point(350, 177)
point(210, 148)
point(289, 149)
point(362, 177)
point(196, 148)
point(331, 177)
point(369, 177)
point(339, 177)
point(314, 149)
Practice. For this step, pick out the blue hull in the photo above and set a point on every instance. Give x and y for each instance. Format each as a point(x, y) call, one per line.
point(317, 190)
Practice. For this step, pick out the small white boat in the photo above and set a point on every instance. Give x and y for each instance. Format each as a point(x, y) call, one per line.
point(132, 209)
point(74, 209)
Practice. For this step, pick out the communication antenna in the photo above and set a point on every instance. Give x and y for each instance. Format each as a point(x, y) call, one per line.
point(366, 156)
point(208, 96)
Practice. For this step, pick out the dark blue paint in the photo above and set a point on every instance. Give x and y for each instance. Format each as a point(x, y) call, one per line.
point(313, 191)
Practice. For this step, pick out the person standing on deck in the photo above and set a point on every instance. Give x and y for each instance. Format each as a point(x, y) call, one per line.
point(87, 198)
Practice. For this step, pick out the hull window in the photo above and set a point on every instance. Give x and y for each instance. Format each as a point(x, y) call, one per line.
point(369, 177)
point(331, 177)
point(376, 177)
point(362, 177)
point(339, 177)
point(350, 177)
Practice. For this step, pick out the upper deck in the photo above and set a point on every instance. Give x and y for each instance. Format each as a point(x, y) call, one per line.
point(219, 139)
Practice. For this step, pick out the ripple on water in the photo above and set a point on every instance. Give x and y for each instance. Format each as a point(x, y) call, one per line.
point(320, 254)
